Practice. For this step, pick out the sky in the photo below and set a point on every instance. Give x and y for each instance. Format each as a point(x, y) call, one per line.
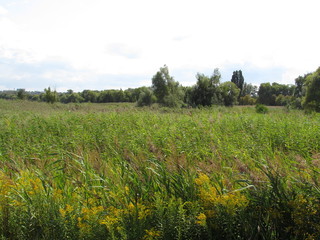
point(113, 44)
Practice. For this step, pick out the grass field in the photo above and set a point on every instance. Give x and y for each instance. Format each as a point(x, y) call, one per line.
point(115, 171)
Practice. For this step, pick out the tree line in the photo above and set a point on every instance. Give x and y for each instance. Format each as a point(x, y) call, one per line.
point(208, 91)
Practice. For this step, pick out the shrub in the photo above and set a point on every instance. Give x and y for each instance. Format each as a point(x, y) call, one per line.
point(260, 108)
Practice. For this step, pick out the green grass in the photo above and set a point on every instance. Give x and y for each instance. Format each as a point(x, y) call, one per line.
point(114, 171)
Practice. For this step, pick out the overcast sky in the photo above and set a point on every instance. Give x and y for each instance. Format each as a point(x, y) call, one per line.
point(104, 44)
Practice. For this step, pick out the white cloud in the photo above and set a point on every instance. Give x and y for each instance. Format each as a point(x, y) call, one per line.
point(126, 37)
point(3, 11)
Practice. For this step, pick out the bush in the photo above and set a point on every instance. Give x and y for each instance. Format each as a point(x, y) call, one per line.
point(260, 108)
point(146, 98)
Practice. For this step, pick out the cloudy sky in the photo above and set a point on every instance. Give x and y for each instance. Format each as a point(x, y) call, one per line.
point(104, 44)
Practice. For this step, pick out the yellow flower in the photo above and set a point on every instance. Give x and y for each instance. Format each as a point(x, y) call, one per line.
point(202, 179)
point(57, 194)
point(62, 212)
point(131, 207)
point(151, 234)
point(17, 203)
point(69, 208)
point(83, 226)
point(91, 201)
point(201, 219)
point(109, 221)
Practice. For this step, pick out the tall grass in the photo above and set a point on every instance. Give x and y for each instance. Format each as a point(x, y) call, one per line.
point(119, 172)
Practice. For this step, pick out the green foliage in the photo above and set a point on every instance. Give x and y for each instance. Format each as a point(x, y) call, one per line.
point(146, 98)
point(50, 96)
point(206, 92)
point(113, 171)
point(90, 96)
point(268, 93)
point(21, 94)
point(71, 97)
point(312, 98)
point(168, 92)
point(238, 79)
point(247, 100)
point(260, 108)
point(249, 89)
point(230, 93)
point(299, 90)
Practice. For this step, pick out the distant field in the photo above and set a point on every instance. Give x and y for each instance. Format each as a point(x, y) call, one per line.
point(115, 171)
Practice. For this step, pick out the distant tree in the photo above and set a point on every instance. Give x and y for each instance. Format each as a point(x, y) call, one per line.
point(238, 80)
point(89, 96)
point(265, 94)
point(249, 89)
point(167, 91)
point(206, 92)
point(247, 100)
point(312, 98)
point(275, 94)
point(160, 83)
point(34, 97)
point(230, 93)
point(107, 96)
point(284, 89)
point(215, 77)
point(146, 97)
point(50, 96)
point(282, 100)
point(203, 91)
point(135, 93)
point(21, 93)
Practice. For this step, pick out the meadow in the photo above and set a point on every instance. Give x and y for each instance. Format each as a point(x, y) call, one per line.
point(116, 171)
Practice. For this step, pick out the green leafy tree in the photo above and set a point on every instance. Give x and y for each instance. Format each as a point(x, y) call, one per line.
point(146, 97)
point(89, 96)
point(299, 83)
point(249, 89)
point(265, 94)
point(238, 79)
point(50, 96)
point(167, 91)
point(21, 93)
point(312, 98)
point(72, 97)
point(247, 100)
point(160, 83)
point(206, 92)
point(230, 93)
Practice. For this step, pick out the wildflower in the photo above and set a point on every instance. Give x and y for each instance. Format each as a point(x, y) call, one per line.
point(151, 234)
point(109, 221)
point(112, 218)
point(202, 179)
point(69, 208)
point(16, 203)
point(86, 213)
point(143, 212)
point(91, 201)
point(62, 212)
point(131, 207)
point(57, 194)
point(201, 219)
point(83, 226)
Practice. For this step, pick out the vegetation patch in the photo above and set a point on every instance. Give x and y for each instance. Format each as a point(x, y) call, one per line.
point(115, 171)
